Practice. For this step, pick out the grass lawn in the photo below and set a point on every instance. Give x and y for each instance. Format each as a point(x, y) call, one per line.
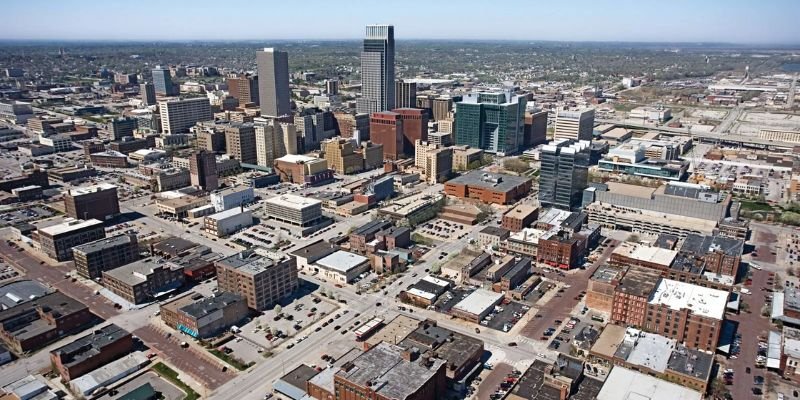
point(755, 206)
point(172, 376)
point(238, 364)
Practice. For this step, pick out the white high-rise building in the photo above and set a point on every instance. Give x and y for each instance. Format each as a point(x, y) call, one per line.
point(377, 70)
point(177, 116)
point(575, 125)
point(274, 140)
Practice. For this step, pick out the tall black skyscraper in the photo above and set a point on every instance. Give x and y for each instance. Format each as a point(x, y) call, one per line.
point(377, 70)
point(273, 82)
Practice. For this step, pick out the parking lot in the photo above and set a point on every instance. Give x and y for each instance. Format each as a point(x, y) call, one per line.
point(450, 298)
point(26, 214)
point(167, 390)
point(538, 292)
point(439, 229)
point(505, 316)
point(268, 330)
point(264, 236)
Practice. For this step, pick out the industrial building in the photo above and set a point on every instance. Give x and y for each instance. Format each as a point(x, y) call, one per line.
point(263, 281)
point(90, 352)
point(92, 258)
point(57, 241)
point(98, 202)
point(488, 188)
point(144, 280)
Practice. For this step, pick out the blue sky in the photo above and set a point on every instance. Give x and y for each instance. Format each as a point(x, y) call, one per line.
point(739, 21)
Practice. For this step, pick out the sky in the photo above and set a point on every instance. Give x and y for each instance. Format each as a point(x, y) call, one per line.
point(731, 21)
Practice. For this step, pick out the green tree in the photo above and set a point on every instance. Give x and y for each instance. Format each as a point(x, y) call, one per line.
point(277, 309)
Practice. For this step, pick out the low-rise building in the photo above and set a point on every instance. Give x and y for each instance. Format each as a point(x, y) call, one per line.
point(143, 280)
point(294, 210)
point(624, 383)
point(97, 201)
point(228, 198)
point(91, 351)
point(488, 188)
point(341, 266)
point(477, 305)
point(92, 258)
point(57, 241)
point(227, 222)
point(207, 316)
point(520, 217)
point(34, 324)
point(491, 236)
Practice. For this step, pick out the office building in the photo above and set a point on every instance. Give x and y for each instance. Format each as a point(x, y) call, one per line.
point(575, 125)
point(405, 94)
point(465, 157)
point(147, 91)
point(231, 197)
point(415, 127)
point(203, 170)
point(273, 140)
point(488, 188)
point(178, 115)
point(294, 210)
point(210, 136)
point(244, 87)
point(435, 161)
point(313, 126)
point(57, 241)
point(442, 107)
point(494, 122)
point(273, 82)
point(204, 317)
point(351, 125)
point(564, 173)
point(240, 142)
point(520, 217)
point(143, 280)
point(332, 86)
point(227, 222)
point(535, 128)
point(397, 130)
point(162, 82)
point(98, 202)
point(91, 351)
point(92, 258)
point(377, 70)
point(121, 127)
point(261, 280)
point(341, 156)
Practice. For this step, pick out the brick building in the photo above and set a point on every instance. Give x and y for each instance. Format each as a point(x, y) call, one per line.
point(92, 258)
point(488, 188)
point(519, 217)
point(91, 352)
point(98, 202)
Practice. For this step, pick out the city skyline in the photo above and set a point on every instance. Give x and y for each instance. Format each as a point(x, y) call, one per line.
point(619, 21)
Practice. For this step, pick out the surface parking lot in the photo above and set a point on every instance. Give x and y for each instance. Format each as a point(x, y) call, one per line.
point(440, 229)
point(260, 236)
point(450, 298)
point(504, 320)
point(24, 215)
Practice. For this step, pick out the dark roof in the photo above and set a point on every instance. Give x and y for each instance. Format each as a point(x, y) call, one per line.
point(316, 250)
point(531, 384)
point(90, 345)
point(691, 362)
point(299, 376)
point(666, 241)
point(495, 182)
point(106, 243)
point(173, 246)
point(522, 264)
point(687, 264)
point(429, 287)
point(209, 305)
point(143, 392)
point(372, 227)
point(495, 231)
point(395, 231)
point(588, 389)
point(700, 245)
point(639, 281)
point(15, 293)
point(569, 366)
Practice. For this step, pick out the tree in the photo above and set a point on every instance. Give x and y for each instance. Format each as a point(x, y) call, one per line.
point(633, 238)
point(277, 309)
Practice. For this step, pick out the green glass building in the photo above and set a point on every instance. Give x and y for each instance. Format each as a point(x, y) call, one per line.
point(492, 121)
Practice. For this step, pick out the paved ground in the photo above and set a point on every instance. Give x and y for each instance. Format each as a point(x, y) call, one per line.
point(491, 382)
point(201, 365)
point(168, 390)
point(559, 308)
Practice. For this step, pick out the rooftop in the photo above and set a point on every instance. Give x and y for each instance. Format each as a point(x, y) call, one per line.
point(631, 190)
point(383, 370)
point(293, 201)
point(295, 382)
point(648, 254)
point(623, 383)
point(699, 245)
point(316, 250)
point(700, 300)
point(495, 182)
point(91, 189)
point(690, 362)
point(342, 261)
point(173, 246)
point(478, 301)
point(210, 305)
point(137, 271)
point(645, 349)
point(106, 243)
point(609, 341)
point(18, 292)
point(607, 273)
point(639, 281)
point(297, 159)
point(495, 231)
point(70, 225)
point(90, 345)
point(395, 330)
point(227, 213)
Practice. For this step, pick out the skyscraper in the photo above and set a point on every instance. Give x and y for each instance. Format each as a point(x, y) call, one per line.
point(377, 70)
point(274, 140)
point(575, 125)
point(203, 170)
point(494, 122)
point(273, 82)
point(405, 94)
point(162, 80)
point(240, 142)
point(564, 173)
point(148, 93)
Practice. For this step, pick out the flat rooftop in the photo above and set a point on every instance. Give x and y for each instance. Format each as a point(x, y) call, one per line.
point(105, 243)
point(639, 281)
point(631, 190)
point(645, 349)
point(137, 271)
point(395, 330)
point(90, 345)
point(609, 341)
point(643, 253)
point(18, 292)
point(70, 225)
point(478, 301)
point(700, 300)
point(210, 305)
point(342, 261)
point(297, 159)
point(316, 250)
point(91, 189)
point(294, 202)
point(703, 244)
point(607, 273)
point(623, 383)
point(494, 182)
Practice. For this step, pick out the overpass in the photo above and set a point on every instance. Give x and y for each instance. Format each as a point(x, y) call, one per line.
point(709, 137)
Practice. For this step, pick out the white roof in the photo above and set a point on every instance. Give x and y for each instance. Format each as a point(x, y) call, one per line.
point(774, 350)
point(479, 301)
point(110, 373)
point(651, 350)
point(91, 189)
point(626, 384)
point(227, 213)
point(342, 261)
point(293, 201)
point(700, 300)
point(649, 254)
point(436, 281)
point(69, 226)
point(296, 158)
point(421, 293)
